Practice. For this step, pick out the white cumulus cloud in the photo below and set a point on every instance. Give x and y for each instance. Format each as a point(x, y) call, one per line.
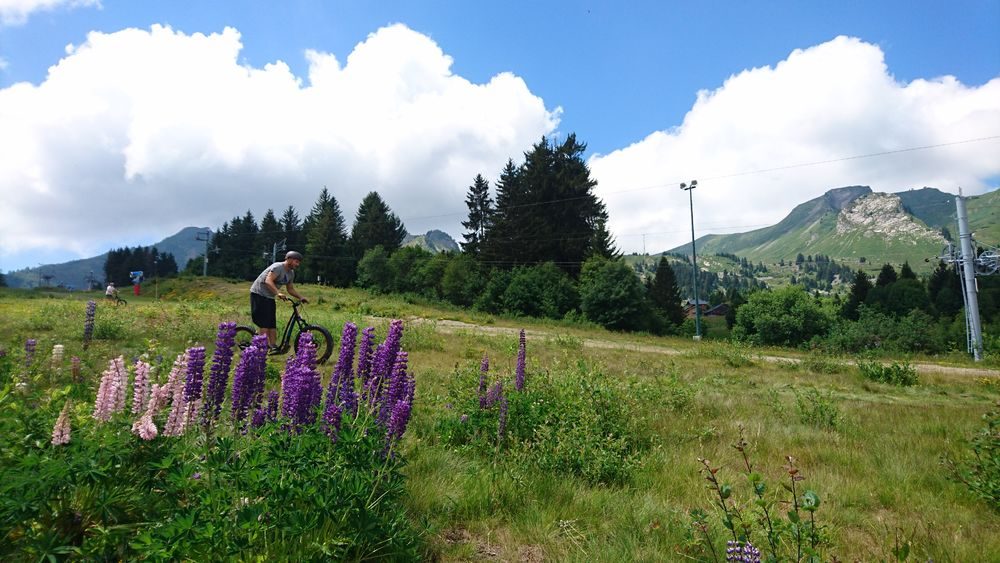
point(16, 12)
point(820, 105)
point(138, 133)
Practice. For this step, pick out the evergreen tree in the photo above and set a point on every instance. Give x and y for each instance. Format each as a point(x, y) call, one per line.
point(269, 234)
point(603, 244)
point(665, 295)
point(906, 272)
point(291, 229)
point(859, 293)
point(944, 290)
point(499, 241)
point(326, 246)
point(546, 210)
point(376, 225)
point(480, 215)
point(886, 276)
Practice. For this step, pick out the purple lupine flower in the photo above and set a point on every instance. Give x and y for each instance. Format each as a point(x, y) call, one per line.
point(519, 370)
point(300, 387)
point(75, 369)
point(464, 418)
point(382, 364)
point(258, 418)
point(88, 324)
point(484, 367)
point(272, 406)
point(29, 351)
point(218, 378)
point(331, 420)
point(742, 552)
point(195, 373)
point(140, 387)
point(341, 389)
point(493, 395)
point(248, 380)
point(61, 430)
point(395, 389)
point(502, 426)
point(365, 354)
point(398, 421)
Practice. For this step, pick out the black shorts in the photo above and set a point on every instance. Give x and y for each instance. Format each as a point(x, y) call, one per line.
point(262, 311)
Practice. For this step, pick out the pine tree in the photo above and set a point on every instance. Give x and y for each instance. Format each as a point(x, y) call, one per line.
point(326, 248)
point(859, 293)
point(906, 272)
point(603, 244)
point(269, 234)
point(376, 225)
point(665, 294)
point(546, 210)
point(480, 215)
point(886, 276)
point(291, 229)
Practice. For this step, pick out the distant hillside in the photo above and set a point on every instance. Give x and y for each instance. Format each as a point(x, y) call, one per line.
point(183, 245)
point(854, 222)
point(433, 241)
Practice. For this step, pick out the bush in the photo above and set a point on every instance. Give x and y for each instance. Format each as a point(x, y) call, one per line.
point(612, 296)
point(787, 317)
point(574, 424)
point(980, 470)
point(896, 373)
point(108, 495)
point(542, 291)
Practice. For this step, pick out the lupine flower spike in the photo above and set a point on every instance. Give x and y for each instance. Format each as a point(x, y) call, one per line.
point(88, 324)
point(218, 379)
point(29, 351)
point(519, 371)
point(60, 432)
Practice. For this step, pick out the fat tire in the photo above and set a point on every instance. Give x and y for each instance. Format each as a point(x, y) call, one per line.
point(322, 339)
point(244, 336)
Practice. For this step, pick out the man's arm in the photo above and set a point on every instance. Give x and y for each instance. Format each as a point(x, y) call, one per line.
point(269, 281)
point(290, 288)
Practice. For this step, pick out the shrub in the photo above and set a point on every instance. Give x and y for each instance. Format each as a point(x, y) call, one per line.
point(896, 373)
point(980, 470)
point(817, 409)
point(787, 316)
point(573, 424)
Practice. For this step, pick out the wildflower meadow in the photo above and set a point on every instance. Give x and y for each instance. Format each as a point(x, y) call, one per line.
point(439, 433)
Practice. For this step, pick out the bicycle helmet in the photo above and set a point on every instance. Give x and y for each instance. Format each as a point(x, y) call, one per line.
point(293, 255)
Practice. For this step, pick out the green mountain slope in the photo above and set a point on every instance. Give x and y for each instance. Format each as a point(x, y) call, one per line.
point(76, 273)
point(854, 223)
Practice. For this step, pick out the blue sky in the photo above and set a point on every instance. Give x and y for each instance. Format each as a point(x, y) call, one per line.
point(660, 91)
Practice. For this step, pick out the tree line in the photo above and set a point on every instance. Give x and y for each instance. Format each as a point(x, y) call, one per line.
point(121, 262)
point(536, 243)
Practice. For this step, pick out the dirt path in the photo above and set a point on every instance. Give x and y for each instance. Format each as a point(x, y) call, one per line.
point(453, 327)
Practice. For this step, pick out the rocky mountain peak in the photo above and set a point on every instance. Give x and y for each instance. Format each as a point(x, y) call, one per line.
point(883, 215)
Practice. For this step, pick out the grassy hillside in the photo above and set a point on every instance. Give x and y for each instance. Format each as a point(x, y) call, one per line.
point(619, 477)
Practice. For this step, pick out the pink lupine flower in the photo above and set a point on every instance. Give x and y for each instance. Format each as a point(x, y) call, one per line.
point(145, 428)
point(111, 392)
point(60, 432)
point(140, 387)
point(175, 388)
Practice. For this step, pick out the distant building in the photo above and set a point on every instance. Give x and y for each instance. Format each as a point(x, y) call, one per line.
point(720, 310)
point(689, 307)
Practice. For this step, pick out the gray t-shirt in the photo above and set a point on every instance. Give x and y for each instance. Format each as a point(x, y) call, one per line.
point(282, 276)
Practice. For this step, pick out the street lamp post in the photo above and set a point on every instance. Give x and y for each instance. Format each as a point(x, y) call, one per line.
point(694, 262)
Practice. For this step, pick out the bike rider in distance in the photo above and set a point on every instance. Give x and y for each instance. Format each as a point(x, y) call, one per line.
point(267, 287)
point(111, 292)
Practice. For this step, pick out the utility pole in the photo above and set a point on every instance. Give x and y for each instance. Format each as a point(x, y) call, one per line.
point(694, 263)
point(280, 245)
point(156, 277)
point(208, 237)
point(968, 257)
